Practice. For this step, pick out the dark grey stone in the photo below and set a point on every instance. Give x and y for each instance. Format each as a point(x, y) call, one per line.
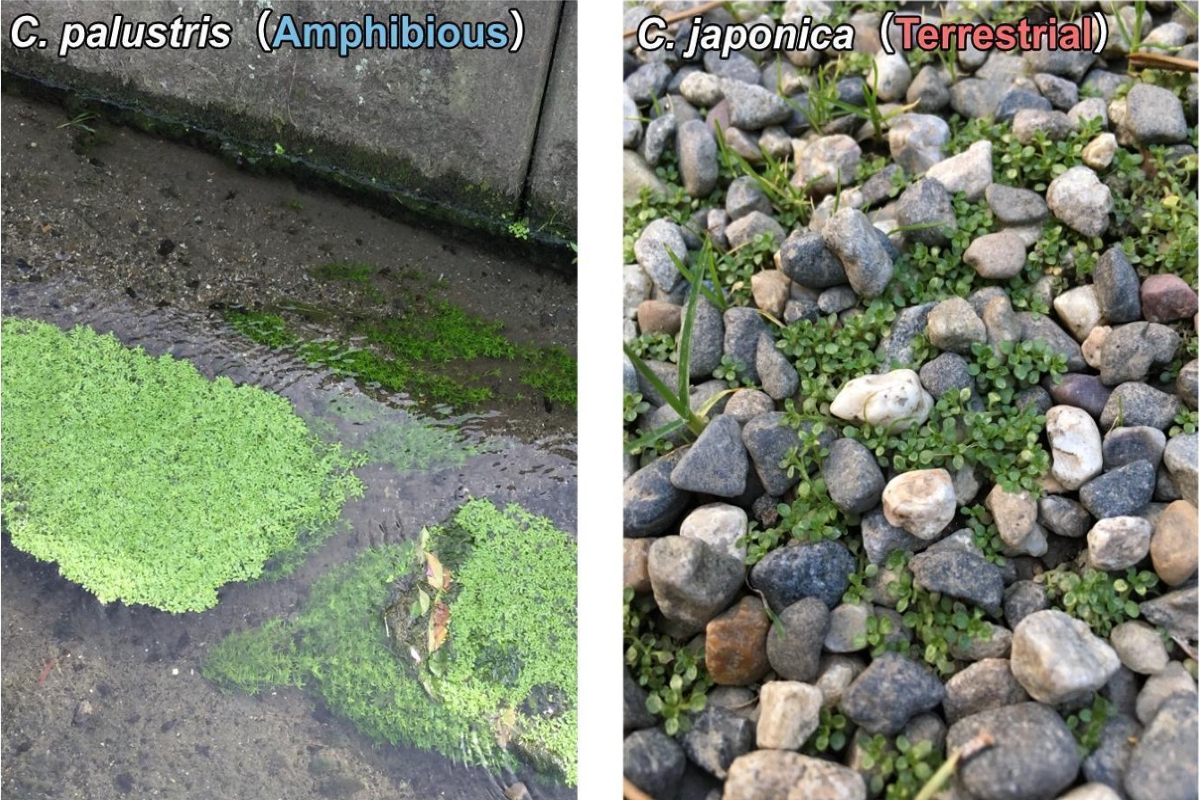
point(745, 230)
point(1163, 763)
point(1062, 93)
point(1035, 757)
point(879, 186)
point(743, 326)
point(708, 339)
point(716, 463)
point(1068, 64)
point(1175, 611)
point(928, 91)
point(752, 108)
point(776, 374)
point(889, 692)
point(881, 538)
point(654, 762)
point(853, 477)
point(946, 373)
point(1036, 396)
point(1139, 404)
point(635, 715)
point(1109, 762)
point(716, 738)
point(1117, 287)
point(1153, 115)
point(651, 502)
point(1013, 206)
point(1064, 516)
point(648, 82)
point(986, 684)
point(1134, 443)
point(852, 238)
point(963, 575)
point(692, 581)
point(798, 308)
point(804, 258)
point(654, 249)
point(1016, 99)
point(1023, 598)
point(1132, 350)
point(666, 372)
point(768, 441)
point(1039, 327)
point(659, 134)
point(896, 348)
point(815, 569)
point(697, 149)
point(974, 98)
point(795, 652)
point(927, 202)
point(1119, 493)
point(743, 196)
point(737, 66)
point(1081, 391)
point(1103, 84)
point(836, 299)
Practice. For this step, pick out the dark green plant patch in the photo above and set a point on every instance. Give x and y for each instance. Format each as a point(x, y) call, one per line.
point(145, 481)
point(499, 585)
point(432, 350)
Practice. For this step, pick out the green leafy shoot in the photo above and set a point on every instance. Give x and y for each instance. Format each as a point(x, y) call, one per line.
point(145, 481)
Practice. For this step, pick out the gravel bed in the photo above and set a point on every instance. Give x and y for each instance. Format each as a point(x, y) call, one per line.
point(910, 413)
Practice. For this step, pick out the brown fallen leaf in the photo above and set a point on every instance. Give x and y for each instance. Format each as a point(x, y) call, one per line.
point(433, 571)
point(439, 626)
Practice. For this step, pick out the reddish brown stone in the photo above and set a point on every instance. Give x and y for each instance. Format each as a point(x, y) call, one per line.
point(1166, 298)
point(659, 316)
point(637, 555)
point(735, 644)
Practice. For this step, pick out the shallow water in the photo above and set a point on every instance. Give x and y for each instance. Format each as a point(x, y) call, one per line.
point(108, 702)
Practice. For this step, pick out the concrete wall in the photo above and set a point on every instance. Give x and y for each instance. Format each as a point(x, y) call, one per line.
point(483, 136)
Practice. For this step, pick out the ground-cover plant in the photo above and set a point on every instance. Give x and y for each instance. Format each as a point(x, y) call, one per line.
point(1100, 599)
point(672, 674)
point(898, 769)
point(433, 351)
point(483, 667)
point(145, 481)
point(1155, 212)
point(938, 622)
point(829, 352)
point(1087, 724)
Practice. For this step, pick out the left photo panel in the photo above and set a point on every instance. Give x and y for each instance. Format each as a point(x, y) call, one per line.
point(288, 411)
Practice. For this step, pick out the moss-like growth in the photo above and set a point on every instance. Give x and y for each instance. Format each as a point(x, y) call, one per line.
point(147, 482)
point(434, 351)
point(498, 585)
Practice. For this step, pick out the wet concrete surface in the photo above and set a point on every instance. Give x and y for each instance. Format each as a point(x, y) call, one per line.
point(108, 702)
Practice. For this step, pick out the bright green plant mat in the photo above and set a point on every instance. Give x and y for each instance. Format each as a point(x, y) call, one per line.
point(503, 682)
point(145, 481)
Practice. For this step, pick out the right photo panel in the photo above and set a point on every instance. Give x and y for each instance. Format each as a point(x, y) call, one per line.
point(910, 391)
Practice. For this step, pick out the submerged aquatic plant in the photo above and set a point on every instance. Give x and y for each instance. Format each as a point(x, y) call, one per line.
point(464, 642)
point(145, 481)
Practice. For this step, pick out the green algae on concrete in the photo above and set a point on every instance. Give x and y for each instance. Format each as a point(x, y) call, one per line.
point(502, 685)
point(145, 481)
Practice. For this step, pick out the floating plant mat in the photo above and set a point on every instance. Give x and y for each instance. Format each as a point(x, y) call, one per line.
point(145, 481)
point(463, 642)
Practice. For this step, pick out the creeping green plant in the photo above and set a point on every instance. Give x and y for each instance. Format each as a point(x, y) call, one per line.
point(145, 481)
